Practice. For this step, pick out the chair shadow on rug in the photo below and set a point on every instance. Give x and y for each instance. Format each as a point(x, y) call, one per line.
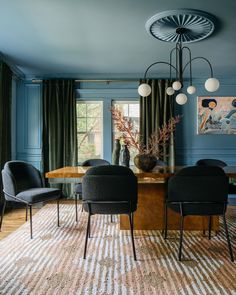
point(110, 190)
point(23, 183)
point(200, 191)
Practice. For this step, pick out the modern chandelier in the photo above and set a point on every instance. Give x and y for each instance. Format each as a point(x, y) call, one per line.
point(181, 26)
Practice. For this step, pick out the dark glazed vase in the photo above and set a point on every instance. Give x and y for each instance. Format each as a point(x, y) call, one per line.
point(116, 152)
point(124, 156)
point(145, 162)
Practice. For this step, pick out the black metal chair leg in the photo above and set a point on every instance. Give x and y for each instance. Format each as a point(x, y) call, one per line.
point(26, 213)
point(3, 210)
point(87, 235)
point(76, 208)
point(165, 221)
point(181, 236)
point(58, 213)
point(31, 225)
point(228, 239)
point(82, 208)
point(132, 218)
point(132, 234)
point(209, 227)
point(111, 219)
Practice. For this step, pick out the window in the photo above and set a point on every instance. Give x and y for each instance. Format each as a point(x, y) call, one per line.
point(89, 130)
point(129, 109)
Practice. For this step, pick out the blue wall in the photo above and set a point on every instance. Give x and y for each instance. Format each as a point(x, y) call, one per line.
point(190, 145)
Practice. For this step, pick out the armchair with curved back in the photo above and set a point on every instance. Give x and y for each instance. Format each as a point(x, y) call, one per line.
point(78, 186)
point(200, 191)
point(23, 183)
point(110, 190)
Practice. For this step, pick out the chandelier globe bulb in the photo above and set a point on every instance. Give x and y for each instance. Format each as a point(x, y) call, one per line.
point(144, 90)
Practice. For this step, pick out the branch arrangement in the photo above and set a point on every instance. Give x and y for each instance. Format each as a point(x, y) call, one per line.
point(131, 137)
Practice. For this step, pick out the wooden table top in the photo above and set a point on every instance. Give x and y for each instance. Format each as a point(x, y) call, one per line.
point(157, 172)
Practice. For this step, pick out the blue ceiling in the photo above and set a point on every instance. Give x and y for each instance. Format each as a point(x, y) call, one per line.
point(106, 38)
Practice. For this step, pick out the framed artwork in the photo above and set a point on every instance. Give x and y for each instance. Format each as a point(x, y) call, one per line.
point(217, 115)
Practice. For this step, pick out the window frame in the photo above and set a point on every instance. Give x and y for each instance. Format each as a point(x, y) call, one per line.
point(107, 93)
point(90, 102)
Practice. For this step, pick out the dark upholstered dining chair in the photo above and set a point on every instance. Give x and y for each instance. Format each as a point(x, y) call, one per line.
point(218, 163)
point(23, 183)
point(78, 186)
point(198, 191)
point(110, 190)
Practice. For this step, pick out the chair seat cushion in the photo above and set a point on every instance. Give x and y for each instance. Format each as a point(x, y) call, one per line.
point(78, 188)
point(35, 195)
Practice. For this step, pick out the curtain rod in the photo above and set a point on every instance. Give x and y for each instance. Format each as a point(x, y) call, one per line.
point(98, 80)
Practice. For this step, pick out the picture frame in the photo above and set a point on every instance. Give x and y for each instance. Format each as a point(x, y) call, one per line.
point(216, 115)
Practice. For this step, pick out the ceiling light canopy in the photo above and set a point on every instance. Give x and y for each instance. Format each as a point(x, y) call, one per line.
point(181, 26)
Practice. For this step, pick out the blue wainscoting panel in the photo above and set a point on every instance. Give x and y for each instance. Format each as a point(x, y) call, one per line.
point(29, 123)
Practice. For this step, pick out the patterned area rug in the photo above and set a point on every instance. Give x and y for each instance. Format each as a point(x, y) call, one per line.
point(52, 263)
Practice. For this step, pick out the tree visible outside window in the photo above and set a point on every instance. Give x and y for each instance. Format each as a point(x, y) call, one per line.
point(129, 109)
point(89, 130)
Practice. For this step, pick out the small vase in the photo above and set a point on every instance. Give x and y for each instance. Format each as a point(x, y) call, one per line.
point(124, 156)
point(116, 152)
point(145, 162)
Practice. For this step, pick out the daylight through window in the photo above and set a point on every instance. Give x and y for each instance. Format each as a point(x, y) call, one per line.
point(89, 130)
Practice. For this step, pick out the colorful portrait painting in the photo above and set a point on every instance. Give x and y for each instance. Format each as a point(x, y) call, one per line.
point(216, 115)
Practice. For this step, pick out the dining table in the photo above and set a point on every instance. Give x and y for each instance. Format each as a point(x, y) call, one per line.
point(152, 190)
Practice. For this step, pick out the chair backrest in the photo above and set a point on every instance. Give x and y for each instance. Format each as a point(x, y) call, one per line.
point(211, 162)
point(199, 184)
point(18, 176)
point(110, 183)
point(95, 162)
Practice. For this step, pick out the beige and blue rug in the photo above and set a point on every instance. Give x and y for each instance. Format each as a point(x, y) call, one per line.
point(52, 263)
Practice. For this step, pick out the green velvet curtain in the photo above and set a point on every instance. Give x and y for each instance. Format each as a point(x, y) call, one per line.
point(5, 115)
point(155, 110)
point(59, 127)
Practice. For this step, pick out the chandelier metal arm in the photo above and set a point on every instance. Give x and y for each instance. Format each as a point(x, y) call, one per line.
point(159, 62)
point(200, 57)
point(179, 61)
point(171, 53)
point(190, 64)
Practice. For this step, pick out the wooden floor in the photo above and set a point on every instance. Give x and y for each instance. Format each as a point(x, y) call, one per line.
point(14, 218)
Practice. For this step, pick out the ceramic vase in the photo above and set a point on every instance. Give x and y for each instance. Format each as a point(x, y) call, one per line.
point(145, 162)
point(124, 156)
point(116, 152)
